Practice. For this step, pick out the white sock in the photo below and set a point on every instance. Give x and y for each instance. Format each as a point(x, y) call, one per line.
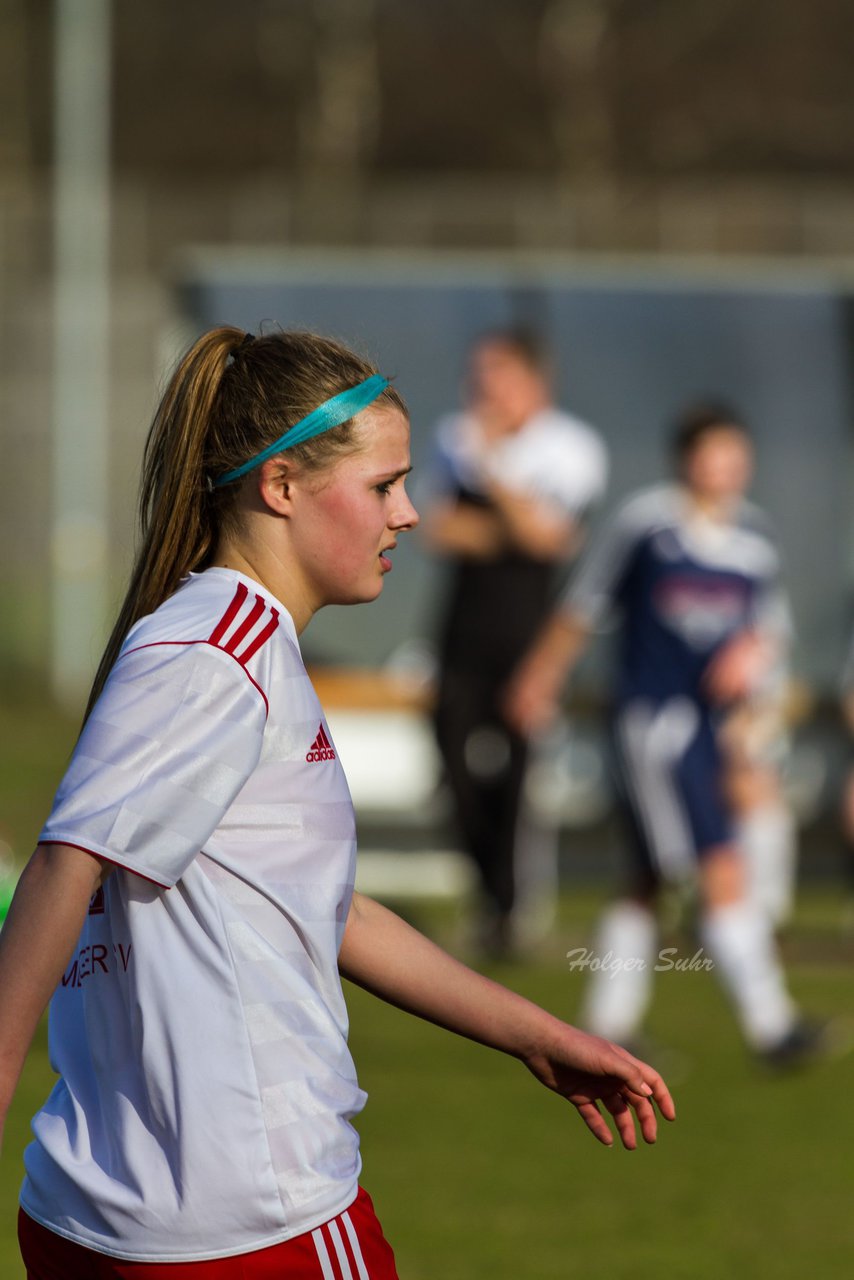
point(536, 874)
point(739, 941)
point(767, 837)
point(618, 993)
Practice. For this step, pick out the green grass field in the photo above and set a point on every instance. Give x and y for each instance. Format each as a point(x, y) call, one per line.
point(477, 1171)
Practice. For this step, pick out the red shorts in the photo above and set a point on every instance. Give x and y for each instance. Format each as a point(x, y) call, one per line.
point(349, 1247)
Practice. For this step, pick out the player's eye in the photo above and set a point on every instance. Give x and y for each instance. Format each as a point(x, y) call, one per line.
point(385, 487)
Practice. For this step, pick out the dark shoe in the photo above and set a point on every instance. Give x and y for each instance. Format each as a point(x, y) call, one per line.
point(807, 1042)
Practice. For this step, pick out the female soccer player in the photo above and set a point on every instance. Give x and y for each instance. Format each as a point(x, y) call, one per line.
point(190, 904)
point(512, 480)
point(693, 576)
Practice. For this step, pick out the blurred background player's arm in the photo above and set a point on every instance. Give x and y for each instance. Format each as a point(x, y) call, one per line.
point(754, 662)
point(533, 694)
point(740, 666)
point(514, 522)
point(749, 678)
point(536, 528)
point(452, 528)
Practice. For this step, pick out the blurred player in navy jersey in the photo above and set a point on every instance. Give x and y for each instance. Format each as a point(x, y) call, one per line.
point(693, 575)
point(511, 481)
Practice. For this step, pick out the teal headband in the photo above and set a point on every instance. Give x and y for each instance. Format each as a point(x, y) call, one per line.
point(331, 413)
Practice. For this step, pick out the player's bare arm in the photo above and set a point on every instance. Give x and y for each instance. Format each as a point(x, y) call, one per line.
point(532, 527)
point(387, 957)
point(462, 529)
point(36, 944)
point(533, 692)
point(514, 522)
point(739, 666)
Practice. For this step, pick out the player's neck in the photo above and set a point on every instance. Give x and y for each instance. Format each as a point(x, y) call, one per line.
point(714, 507)
point(260, 562)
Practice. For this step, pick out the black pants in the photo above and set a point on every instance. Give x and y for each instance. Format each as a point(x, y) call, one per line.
point(485, 765)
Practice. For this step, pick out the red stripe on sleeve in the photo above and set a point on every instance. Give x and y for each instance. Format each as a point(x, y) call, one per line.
point(261, 639)
point(230, 614)
point(246, 625)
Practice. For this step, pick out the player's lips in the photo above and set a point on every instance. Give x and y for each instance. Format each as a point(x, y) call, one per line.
point(384, 560)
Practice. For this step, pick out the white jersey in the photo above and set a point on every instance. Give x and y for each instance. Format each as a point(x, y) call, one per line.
point(554, 457)
point(200, 1033)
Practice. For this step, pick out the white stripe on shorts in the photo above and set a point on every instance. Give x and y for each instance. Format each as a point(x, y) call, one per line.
point(343, 1260)
point(355, 1246)
point(653, 740)
point(322, 1254)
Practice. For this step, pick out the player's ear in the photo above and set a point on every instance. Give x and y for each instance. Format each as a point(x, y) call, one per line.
point(276, 479)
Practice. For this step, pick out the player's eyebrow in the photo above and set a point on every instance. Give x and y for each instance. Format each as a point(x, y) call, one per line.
point(389, 477)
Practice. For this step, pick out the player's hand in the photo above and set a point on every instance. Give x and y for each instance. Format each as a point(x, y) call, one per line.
point(592, 1073)
point(737, 668)
point(531, 699)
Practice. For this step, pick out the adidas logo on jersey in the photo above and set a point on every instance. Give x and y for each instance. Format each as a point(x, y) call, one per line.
point(321, 748)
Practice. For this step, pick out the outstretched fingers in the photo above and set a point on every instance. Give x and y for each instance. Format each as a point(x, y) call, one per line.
point(595, 1121)
point(604, 1082)
point(647, 1119)
point(623, 1120)
point(644, 1083)
point(642, 1087)
point(657, 1091)
point(622, 1113)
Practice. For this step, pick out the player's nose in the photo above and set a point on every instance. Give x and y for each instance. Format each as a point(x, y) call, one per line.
point(405, 516)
